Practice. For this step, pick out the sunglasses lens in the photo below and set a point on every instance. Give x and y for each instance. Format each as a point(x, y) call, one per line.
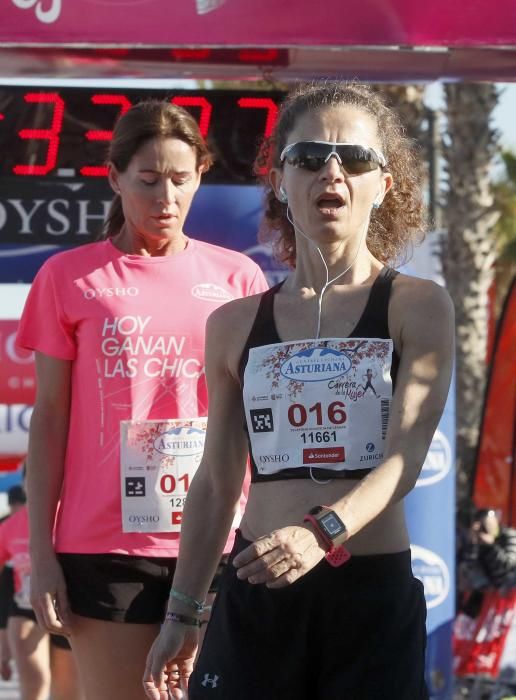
point(312, 156)
point(357, 159)
point(308, 155)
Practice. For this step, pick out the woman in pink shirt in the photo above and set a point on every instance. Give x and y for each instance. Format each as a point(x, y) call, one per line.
point(118, 328)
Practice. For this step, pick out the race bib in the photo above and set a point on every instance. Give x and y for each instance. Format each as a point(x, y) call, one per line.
point(318, 403)
point(158, 460)
point(22, 597)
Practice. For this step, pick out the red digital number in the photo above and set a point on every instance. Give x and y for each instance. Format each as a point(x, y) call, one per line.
point(298, 415)
point(205, 106)
point(51, 135)
point(272, 114)
point(98, 135)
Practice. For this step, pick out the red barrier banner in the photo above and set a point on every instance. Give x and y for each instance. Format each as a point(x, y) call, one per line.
point(478, 643)
point(259, 22)
point(17, 372)
point(495, 477)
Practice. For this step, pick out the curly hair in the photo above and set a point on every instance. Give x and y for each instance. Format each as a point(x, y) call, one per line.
point(399, 222)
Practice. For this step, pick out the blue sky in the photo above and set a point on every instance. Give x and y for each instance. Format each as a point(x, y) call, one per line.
point(504, 115)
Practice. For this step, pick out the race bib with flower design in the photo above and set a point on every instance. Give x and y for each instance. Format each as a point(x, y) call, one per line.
point(318, 403)
point(158, 461)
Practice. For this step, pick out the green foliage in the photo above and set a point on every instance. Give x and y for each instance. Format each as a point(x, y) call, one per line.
point(504, 191)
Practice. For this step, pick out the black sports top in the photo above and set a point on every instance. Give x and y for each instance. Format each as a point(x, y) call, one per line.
point(373, 323)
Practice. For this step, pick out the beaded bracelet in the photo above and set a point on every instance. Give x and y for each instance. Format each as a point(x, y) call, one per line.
point(198, 605)
point(184, 619)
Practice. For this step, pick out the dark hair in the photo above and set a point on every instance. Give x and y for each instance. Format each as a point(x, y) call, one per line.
point(482, 513)
point(399, 221)
point(16, 495)
point(141, 123)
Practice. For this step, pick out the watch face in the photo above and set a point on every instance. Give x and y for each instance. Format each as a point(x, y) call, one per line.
point(332, 525)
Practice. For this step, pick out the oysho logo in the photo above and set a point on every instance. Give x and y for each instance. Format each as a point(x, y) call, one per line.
point(265, 459)
point(433, 573)
point(46, 15)
point(181, 442)
point(438, 461)
point(315, 365)
point(141, 519)
point(211, 292)
point(100, 292)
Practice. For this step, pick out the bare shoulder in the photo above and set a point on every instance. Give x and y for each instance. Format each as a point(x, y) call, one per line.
point(228, 328)
point(419, 307)
point(414, 295)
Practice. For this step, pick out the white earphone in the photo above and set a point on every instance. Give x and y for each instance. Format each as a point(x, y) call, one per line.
point(282, 196)
point(377, 202)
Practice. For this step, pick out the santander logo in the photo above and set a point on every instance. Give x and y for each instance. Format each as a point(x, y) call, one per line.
point(46, 11)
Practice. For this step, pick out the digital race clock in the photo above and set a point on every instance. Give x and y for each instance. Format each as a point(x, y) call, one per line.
point(64, 132)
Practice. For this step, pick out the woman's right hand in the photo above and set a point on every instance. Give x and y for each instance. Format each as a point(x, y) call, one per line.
point(48, 595)
point(170, 662)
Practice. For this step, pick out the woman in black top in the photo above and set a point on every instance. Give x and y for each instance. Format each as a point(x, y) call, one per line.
point(319, 600)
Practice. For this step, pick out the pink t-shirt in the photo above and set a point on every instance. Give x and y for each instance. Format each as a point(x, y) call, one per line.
point(134, 328)
point(14, 547)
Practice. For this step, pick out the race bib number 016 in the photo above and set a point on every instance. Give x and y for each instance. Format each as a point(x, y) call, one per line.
point(158, 461)
point(318, 403)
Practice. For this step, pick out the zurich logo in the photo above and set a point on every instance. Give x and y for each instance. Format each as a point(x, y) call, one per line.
point(438, 461)
point(370, 447)
point(315, 365)
point(181, 442)
point(433, 573)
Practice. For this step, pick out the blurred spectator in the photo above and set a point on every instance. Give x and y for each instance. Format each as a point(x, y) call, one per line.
point(16, 499)
point(496, 548)
point(487, 560)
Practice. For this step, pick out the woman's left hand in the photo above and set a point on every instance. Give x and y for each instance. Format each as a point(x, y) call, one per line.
point(280, 558)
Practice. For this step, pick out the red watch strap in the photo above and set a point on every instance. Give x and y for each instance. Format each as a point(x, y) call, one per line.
point(335, 556)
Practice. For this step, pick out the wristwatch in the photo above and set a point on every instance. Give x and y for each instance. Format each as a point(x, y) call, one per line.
point(332, 532)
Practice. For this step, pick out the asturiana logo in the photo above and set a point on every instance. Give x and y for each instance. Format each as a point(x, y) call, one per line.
point(438, 461)
point(181, 442)
point(316, 365)
point(51, 14)
point(211, 292)
point(433, 573)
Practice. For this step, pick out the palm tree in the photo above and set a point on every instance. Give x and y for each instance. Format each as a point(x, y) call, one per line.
point(469, 254)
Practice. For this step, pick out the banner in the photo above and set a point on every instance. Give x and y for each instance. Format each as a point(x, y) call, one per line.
point(251, 23)
point(17, 373)
point(478, 643)
point(14, 429)
point(495, 478)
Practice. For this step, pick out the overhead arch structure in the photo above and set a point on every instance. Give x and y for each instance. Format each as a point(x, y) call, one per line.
point(395, 40)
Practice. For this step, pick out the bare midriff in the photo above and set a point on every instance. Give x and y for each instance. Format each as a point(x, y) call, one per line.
point(276, 504)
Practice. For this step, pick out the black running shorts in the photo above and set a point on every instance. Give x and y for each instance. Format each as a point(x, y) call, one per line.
point(120, 587)
point(351, 633)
